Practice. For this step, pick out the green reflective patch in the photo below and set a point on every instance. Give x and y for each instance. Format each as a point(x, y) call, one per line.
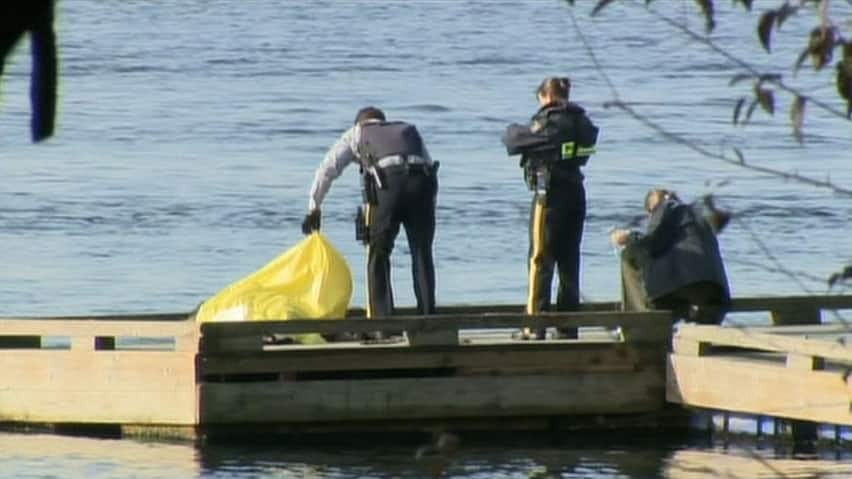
point(568, 150)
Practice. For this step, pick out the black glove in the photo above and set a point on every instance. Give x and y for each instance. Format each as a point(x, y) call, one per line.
point(311, 222)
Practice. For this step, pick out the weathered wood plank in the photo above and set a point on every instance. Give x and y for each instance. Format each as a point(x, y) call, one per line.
point(821, 331)
point(656, 324)
point(806, 314)
point(488, 308)
point(759, 388)
point(505, 358)
point(689, 347)
point(96, 327)
point(443, 337)
point(747, 338)
point(418, 398)
point(157, 317)
point(804, 363)
point(768, 303)
point(98, 387)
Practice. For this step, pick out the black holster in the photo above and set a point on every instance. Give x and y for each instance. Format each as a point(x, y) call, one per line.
point(368, 197)
point(362, 229)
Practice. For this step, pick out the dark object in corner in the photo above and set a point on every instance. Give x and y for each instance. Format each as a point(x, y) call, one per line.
point(35, 17)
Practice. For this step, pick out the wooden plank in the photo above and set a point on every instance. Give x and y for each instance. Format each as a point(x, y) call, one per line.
point(97, 327)
point(746, 338)
point(656, 322)
point(506, 358)
point(153, 387)
point(156, 317)
point(769, 303)
point(445, 397)
point(759, 388)
point(804, 363)
point(806, 314)
point(464, 309)
point(442, 337)
point(689, 347)
point(828, 331)
point(670, 418)
point(739, 304)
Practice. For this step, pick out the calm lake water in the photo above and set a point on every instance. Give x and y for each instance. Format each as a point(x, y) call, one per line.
point(189, 132)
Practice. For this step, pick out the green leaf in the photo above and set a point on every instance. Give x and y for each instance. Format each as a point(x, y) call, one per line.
point(600, 6)
point(821, 46)
point(766, 99)
point(797, 116)
point(764, 28)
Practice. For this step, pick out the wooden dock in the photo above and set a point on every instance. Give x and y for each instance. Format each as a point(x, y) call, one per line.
point(457, 370)
point(795, 370)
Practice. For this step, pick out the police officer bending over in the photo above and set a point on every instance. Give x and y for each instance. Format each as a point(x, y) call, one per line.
point(553, 147)
point(676, 264)
point(399, 184)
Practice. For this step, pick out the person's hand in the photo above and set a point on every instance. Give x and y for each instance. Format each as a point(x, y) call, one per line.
point(718, 219)
point(619, 237)
point(311, 222)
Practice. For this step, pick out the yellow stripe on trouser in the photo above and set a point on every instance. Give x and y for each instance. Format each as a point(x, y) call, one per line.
point(368, 218)
point(536, 251)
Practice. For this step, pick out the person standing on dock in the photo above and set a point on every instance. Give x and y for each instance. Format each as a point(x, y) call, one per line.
point(553, 147)
point(676, 264)
point(400, 185)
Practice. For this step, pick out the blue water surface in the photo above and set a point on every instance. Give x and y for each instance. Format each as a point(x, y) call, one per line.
point(189, 132)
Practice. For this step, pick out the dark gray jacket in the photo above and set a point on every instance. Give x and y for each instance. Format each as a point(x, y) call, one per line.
point(679, 248)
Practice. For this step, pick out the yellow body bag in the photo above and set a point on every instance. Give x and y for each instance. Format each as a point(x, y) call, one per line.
point(310, 280)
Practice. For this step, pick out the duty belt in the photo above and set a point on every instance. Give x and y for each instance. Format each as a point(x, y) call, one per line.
point(396, 160)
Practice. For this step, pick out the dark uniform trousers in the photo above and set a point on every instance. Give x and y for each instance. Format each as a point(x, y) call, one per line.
point(407, 197)
point(556, 230)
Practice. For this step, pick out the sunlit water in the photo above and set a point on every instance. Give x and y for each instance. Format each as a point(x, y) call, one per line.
point(189, 132)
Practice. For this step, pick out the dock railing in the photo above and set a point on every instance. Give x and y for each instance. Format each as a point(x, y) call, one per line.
point(99, 370)
point(792, 371)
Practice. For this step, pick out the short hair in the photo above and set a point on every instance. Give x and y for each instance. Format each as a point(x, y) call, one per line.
point(369, 113)
point(657, 191)
point(556, 87)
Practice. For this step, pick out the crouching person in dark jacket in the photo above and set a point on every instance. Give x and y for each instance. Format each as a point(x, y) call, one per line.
point(676, 264)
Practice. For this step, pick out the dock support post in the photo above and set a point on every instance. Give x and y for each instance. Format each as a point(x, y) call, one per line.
point(804, 433)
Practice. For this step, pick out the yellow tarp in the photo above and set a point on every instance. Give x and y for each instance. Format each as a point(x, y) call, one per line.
point(310, 280)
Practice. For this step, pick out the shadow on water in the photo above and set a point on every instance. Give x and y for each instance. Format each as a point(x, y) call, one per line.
point(523, 454)
point(631, 454)
point(627, 454)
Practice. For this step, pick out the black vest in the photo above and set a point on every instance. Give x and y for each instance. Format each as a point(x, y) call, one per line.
point(386, 138)
point(575, 136)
